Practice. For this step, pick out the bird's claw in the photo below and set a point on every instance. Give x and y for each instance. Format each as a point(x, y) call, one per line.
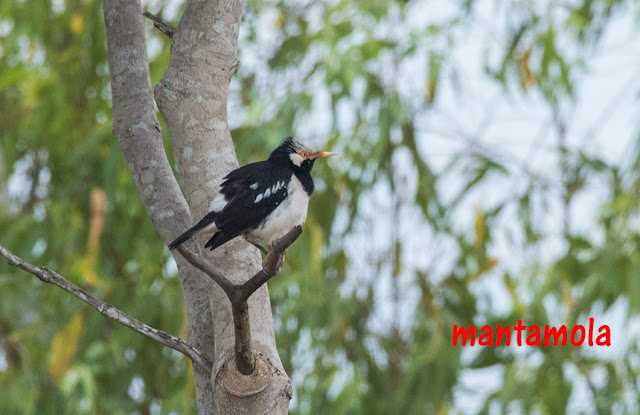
point(267, 259)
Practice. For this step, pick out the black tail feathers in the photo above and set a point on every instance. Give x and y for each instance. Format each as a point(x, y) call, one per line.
point(182, 239)
point(219, 238)
point(204, 222)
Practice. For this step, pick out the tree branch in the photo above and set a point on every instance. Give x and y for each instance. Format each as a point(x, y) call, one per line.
point(238, 294)
point(272, 265)
point(214, 273)
point(160, 24)
point(108, 310)
point(136, 127)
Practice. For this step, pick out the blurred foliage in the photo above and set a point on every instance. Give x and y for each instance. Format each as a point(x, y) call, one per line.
point(71, 192)
point(363, 322)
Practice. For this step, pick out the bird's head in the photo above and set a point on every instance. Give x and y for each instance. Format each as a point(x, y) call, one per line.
point(296, 155)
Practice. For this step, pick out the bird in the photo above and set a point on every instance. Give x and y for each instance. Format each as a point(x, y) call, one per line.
point(262, 201)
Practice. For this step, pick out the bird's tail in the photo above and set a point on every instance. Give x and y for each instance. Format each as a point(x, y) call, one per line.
point(205, 222)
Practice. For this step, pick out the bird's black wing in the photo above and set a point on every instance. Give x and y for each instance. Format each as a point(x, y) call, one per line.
point(253, 191)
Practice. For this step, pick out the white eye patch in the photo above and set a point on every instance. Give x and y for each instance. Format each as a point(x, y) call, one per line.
point(296, 159)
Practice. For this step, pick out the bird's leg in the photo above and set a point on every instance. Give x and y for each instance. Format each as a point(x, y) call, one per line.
point(265, 261)
point(260, 247)
point(267, 253)
point(255, 243)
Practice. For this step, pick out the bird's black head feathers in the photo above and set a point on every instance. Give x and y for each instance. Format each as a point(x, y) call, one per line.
point(292, 154)
point(285, 153)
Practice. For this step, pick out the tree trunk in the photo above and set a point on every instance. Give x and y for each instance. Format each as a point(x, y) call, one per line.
point(192, 98)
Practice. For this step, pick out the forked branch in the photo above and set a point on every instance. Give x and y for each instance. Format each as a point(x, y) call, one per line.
point(238, 294)
point(160, 24)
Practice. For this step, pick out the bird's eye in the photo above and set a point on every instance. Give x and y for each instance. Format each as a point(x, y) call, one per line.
point(303, 154)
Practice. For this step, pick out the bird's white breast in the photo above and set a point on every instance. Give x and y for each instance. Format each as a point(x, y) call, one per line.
point(290, 213)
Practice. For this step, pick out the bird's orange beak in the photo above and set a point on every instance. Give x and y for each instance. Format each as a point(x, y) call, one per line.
point(319, 154)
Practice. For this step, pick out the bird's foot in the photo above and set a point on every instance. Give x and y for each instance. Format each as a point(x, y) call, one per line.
point(279, 265)
point(260, 247)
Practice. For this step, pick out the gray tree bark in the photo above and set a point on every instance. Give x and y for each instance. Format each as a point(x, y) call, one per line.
point(192, 98)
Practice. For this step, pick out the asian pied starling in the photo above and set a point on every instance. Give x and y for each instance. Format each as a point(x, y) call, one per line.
point(262, 201)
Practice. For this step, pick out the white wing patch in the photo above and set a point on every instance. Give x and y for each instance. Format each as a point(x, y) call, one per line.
point(253, 186)
point(218, 203)
point(269, 191)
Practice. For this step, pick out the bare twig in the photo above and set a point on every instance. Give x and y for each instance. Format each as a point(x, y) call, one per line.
point(214, 273)
point(238, 294)
point(108, 310)
point(160, 24)
point(272, 265)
